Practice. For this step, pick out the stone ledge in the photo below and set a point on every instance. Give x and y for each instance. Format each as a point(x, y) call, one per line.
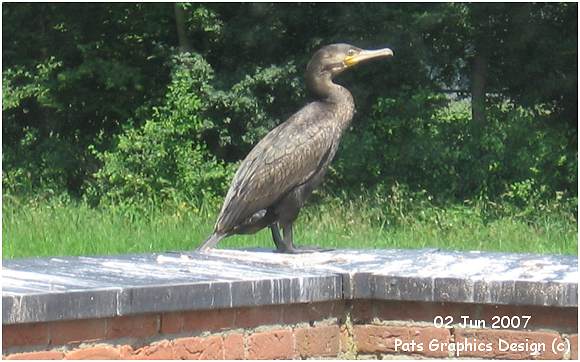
point(49, 289)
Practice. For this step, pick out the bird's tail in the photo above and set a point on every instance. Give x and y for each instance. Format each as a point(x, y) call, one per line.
point(211, 242)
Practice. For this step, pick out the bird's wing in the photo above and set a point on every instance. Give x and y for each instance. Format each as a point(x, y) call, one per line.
point(286, 157)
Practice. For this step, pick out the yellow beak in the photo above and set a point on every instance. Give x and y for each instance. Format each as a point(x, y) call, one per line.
point(366, 55)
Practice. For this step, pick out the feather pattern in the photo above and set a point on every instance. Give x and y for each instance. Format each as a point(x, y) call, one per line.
point(277, 176)
point(285, 158)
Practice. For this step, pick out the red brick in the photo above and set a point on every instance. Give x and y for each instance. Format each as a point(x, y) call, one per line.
point(212, 320)
point(423, 311)
point(198, 348)
point(363, 310)
point(276, 344)
point(574, 347)
point(140, 326)
point(489, 340)
point(234, 346)
point(29, 334)
point(311, 312)
point(160, 350)
point(98, 352)
point(416, 340)
point(126, 351)
point(318, 341)
point(44, 355)
point(258, 316)
point(76, 331)
point(171, 323)
point(562, 319)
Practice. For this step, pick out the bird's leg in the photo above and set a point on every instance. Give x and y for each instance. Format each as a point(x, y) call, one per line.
point(276, 235)
point(283, 245)
point(287, 244)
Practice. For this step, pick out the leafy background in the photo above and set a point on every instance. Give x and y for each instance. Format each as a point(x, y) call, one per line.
point(137, 106)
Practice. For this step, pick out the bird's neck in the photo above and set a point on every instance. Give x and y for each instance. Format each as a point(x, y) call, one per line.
point(325, 90)
point(334, 96)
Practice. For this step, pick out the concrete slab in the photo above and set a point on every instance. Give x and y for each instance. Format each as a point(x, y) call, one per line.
point(48, 289)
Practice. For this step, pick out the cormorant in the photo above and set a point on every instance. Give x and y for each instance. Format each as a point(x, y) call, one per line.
point(282, 170)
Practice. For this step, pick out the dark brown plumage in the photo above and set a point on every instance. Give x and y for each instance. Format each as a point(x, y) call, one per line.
point(282, 170)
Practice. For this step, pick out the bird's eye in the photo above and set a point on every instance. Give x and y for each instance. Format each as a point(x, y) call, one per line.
point(351, 52)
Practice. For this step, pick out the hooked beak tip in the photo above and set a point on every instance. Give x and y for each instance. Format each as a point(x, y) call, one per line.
point(368, 54)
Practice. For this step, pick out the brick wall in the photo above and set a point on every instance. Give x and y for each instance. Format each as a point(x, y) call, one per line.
point(345, 329)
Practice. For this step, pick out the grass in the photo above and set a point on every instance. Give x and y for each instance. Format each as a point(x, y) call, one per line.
point(55, 228)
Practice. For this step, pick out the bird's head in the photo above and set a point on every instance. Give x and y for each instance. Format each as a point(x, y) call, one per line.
point(333, 59)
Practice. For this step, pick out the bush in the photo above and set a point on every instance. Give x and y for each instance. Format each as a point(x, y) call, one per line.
point(167, 159)
point(189, 146)
point(37, 160)
point(427, 142)
point(402, 141)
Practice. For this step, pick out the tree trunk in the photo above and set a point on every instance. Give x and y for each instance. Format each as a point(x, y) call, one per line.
point(181, 27)
point(478, 76)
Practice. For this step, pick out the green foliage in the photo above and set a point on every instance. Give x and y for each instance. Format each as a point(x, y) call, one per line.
point(40, 164)
point(166, 158)
point(203, 21)
point(173, 154)
point(403, 141)
point(394, 219)
point(427, 142)
point(73, 74)
point(98, 103)
point(21, 84)
point(251, 107)
point(32, 162)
